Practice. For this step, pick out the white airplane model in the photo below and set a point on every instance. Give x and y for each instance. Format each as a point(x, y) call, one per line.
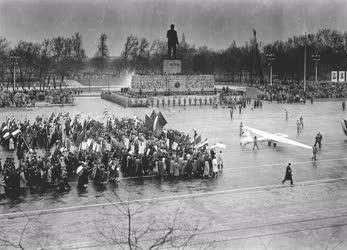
point(270, 138)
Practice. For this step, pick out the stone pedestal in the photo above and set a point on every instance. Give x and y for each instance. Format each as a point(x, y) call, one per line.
point(172, 66)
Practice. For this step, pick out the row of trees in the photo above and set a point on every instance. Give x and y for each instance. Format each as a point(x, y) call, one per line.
point(58, 55)
point(331, 45)
point(64, 56)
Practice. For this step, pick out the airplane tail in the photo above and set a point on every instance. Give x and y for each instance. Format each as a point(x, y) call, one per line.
point(344, 126)
point(245, 138)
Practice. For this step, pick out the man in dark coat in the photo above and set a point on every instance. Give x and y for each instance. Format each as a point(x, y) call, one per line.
point(288, 176)
point(172, 41)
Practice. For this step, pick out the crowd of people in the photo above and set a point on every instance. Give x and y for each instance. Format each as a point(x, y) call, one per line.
point(293, 92)
point(48, 152)
point(27, 98)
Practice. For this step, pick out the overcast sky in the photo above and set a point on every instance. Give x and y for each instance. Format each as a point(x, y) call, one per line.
point(215, 23)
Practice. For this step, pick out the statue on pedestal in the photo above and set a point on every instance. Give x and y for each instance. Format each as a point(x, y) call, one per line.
point(172, 41)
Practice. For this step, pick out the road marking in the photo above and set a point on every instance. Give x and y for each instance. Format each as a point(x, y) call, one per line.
point(284, 163)
point(170, 197)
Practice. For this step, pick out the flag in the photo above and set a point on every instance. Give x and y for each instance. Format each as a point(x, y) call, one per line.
point(197, 139)
point(159, 123)
point(153, 115)
point(204, 143)
point(80, 137)
point(51, 117)
point(15, 133)
point(219, 145)
point(148, 123)
point(105, 113)
point(65, 115)
point(6, 135)
point(4, 129)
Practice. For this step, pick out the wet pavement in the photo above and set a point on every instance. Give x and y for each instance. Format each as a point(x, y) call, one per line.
point(246, 207)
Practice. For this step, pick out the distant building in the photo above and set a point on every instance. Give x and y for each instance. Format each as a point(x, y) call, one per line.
point(183, 42)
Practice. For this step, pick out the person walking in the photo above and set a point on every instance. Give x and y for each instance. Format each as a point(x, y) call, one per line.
point(343, 105)
point(220, 160)
point(314, 152)
point(319, 139)
point(286, 115)
point(231, 113)
point(241, 128)
point(302, 122)
point(255, 143)
point(215, 167)
point(288, 176)
point(298, 127)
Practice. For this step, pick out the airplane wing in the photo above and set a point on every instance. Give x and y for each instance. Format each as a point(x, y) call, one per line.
point(274, 137)
point(344, 126)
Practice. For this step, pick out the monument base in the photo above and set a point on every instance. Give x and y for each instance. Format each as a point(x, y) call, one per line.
point(172, 66)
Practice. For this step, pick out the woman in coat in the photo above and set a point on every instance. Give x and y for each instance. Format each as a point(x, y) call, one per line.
point(22, 180)
point(206, 169)
point(215, 167)
point(176, 169)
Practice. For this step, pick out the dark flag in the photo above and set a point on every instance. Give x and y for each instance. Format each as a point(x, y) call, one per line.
point(197, 139)
point(159, 123)
point(148, 123)
point(80, 137)
point(153, 115)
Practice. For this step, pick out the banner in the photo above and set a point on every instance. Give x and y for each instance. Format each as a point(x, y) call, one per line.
point(84, 146)
point(334, 76)
point(142, 147)
point(126, 142)
point(342, 76)
point(108, 146)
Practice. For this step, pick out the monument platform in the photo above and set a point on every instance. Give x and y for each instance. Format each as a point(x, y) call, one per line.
point(170, 88)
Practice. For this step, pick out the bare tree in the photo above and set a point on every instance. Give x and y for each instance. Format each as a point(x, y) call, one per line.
point(100, 60)
point(4, 51)
point(132, 226)
point(130, 48)
point(19, 243)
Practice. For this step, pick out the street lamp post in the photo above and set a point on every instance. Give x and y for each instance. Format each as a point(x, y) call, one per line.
point(89, 78)
point(316, 59)
point(14, 60)
point(270, 57)
point(108, 83)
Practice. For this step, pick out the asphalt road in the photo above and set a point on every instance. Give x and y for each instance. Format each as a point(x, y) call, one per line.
point(246, 207)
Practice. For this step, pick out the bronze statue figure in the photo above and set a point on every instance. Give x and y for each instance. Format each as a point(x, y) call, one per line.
point(172, 40)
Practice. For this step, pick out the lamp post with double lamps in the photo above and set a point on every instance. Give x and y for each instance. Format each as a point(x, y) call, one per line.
point(14, 62)
point(270, 58)
point(316, 59)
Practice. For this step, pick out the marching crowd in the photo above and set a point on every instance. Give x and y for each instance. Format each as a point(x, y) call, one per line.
point(48, 152)
point(27, 98)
